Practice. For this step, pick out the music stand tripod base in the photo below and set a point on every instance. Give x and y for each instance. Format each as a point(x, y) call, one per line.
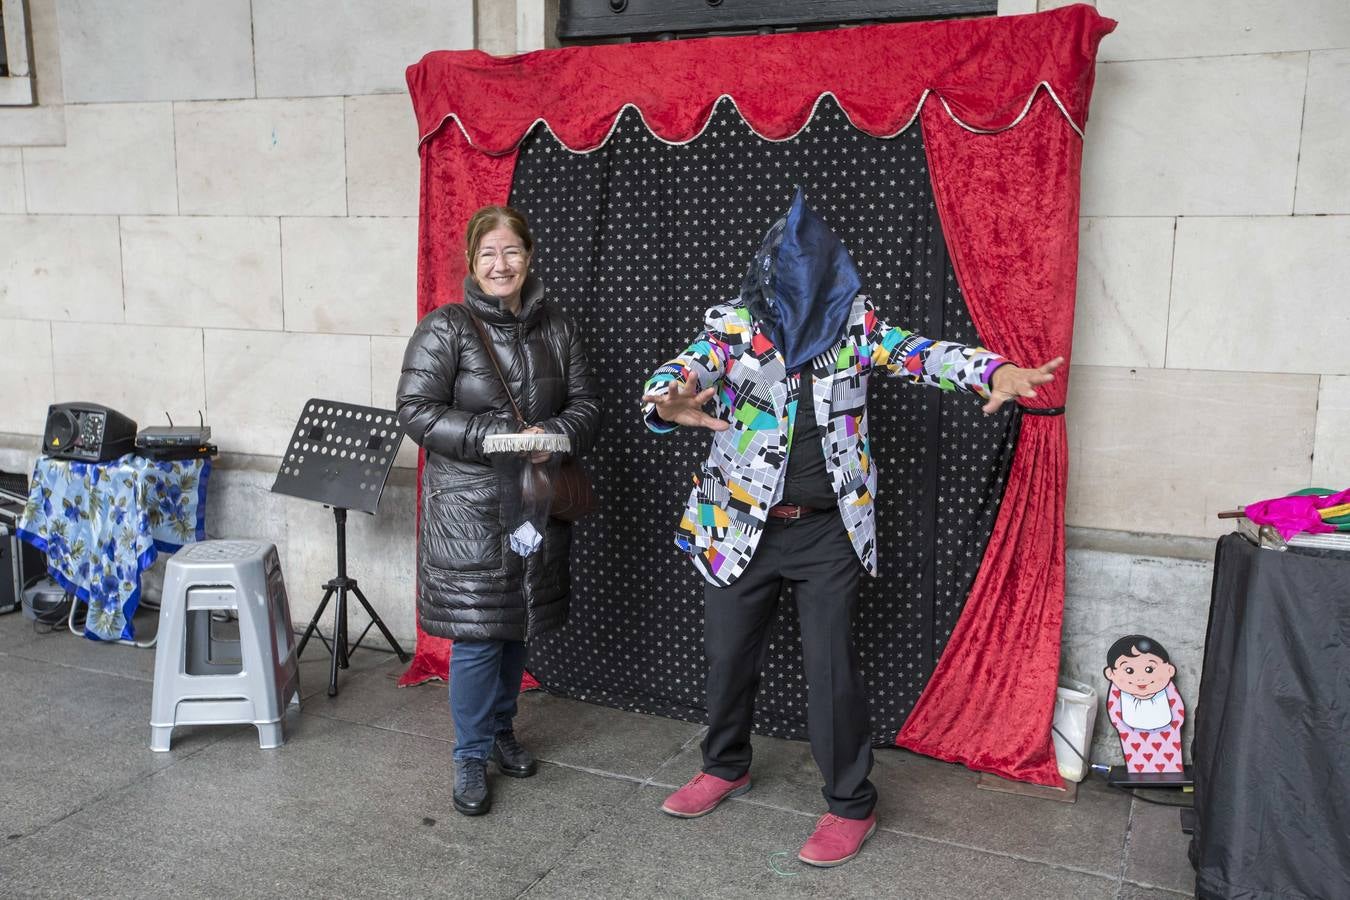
point(340, 455)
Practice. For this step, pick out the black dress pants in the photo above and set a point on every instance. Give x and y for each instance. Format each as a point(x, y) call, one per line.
point(815, 555)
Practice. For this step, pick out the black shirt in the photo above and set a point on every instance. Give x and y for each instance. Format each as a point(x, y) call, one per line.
point(808, 481)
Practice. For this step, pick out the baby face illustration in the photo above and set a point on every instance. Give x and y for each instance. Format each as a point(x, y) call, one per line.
point(1140, 676)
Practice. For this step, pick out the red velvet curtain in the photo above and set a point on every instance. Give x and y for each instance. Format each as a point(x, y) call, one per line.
point(456, 180)
point(1003, 103)
point(1014, 245)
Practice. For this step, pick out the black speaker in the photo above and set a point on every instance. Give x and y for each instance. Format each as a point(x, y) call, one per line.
point(87, 432)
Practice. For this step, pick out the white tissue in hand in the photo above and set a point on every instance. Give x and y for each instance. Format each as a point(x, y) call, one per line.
point(526, 539)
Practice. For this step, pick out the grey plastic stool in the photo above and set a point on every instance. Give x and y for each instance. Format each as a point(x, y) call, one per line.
point(193, 684)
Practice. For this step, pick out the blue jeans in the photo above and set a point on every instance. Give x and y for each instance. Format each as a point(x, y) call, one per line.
point(484, 682)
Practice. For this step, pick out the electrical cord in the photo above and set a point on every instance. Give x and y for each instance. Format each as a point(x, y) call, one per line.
point(1104, 770)
point(53, 620)
point(1068, 743)
point(1138, 796)
point(47, 622)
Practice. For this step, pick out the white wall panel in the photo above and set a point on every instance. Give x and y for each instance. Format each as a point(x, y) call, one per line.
point(219, 272)
point(314, 48)
point(156, 50)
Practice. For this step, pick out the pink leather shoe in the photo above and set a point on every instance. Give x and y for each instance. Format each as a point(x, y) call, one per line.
point(702, 794)
point(836, 840)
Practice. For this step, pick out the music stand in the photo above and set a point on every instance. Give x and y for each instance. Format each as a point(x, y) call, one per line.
point(340, 455)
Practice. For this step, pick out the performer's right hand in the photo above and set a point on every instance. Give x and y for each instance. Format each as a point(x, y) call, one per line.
point(683, 405)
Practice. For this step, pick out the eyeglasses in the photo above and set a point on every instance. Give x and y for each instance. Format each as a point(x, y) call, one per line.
point(512, 255)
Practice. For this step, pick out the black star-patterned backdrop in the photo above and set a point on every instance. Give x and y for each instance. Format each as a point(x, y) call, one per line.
point(636, 239)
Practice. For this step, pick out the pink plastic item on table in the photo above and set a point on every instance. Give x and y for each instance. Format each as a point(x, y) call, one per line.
point(1291, 515)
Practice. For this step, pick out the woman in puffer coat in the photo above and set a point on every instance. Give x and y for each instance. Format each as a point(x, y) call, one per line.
point(472, 587)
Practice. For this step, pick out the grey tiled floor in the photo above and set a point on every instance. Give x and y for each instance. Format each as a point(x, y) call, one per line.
point(357, 804)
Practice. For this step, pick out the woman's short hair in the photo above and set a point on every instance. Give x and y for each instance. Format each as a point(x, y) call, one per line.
point(489, 218)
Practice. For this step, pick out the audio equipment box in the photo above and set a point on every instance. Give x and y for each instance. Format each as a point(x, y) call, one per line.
point(174, 436)
point(168, 452)
point(87, 432)
point(176, 441)
point(20, 562)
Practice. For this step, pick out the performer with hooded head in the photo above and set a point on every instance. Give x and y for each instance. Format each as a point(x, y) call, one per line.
point(786, 495)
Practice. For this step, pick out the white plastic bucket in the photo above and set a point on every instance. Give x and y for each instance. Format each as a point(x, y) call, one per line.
point(1075, 714)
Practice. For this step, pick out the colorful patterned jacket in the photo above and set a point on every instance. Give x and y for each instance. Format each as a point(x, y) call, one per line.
point(744, 473)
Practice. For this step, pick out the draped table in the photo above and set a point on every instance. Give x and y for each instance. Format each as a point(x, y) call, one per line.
point(103, 524)
point(1272, 727)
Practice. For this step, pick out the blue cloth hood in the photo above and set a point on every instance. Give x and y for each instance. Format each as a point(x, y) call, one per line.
point(801, 285)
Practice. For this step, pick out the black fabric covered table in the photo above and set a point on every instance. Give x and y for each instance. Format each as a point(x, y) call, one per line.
point(1272, 734)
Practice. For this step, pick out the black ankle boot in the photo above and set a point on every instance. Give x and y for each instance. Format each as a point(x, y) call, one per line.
point(513, 759)
point(471, 789)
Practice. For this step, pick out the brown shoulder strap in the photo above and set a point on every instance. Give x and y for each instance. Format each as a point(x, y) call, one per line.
point(487, 348)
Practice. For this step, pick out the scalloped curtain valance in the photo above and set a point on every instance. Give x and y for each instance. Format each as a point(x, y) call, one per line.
point(985, 72)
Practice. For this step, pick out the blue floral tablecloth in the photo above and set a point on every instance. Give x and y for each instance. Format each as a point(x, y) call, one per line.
point(102, 525)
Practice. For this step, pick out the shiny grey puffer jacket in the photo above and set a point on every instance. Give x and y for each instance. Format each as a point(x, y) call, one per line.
point(470, 586)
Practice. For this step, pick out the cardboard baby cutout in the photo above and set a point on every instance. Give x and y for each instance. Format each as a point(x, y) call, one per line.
point(1144, 705)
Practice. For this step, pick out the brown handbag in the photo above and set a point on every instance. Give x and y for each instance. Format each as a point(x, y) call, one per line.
point(573, 496)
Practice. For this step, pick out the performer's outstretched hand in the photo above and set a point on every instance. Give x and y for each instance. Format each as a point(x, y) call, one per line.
point(685, 407)
point(1011, 381)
